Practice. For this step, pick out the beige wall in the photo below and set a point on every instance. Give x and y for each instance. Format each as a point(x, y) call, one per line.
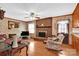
point(4, 27)
point(60, 18)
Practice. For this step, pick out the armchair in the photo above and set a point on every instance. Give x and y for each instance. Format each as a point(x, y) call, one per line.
point(55, 43)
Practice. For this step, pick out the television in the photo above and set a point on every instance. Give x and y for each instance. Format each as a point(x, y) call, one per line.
point(25, 33)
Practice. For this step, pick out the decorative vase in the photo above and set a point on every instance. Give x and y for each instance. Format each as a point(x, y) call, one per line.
point(15, 43)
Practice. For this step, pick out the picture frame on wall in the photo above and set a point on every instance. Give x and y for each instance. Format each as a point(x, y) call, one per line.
point(13, 24)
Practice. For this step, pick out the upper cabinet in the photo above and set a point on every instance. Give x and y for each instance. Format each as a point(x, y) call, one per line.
point(75, 21)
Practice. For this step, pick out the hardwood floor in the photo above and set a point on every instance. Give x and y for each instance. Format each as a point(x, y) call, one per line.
point(37, 48)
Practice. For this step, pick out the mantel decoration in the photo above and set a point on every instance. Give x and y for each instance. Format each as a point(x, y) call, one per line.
point(1, 13)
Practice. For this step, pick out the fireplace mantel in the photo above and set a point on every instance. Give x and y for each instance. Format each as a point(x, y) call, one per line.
point(43, 26)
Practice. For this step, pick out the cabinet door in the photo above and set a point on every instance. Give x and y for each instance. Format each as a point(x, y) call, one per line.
point(77, 44)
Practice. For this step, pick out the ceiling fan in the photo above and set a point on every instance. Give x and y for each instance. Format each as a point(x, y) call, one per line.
point(32, 15)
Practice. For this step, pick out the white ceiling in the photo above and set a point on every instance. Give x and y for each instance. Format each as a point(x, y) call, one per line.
point(19, 10)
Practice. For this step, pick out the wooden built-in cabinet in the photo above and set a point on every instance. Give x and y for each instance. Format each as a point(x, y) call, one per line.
point(75, 43)
point(75, 17)
point(75, 24)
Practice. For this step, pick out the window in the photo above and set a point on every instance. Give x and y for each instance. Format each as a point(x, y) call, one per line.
point(31, 27)
point(62, 27)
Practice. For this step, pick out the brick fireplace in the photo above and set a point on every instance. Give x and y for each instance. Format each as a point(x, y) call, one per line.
point(44, 27)
point(42, 33)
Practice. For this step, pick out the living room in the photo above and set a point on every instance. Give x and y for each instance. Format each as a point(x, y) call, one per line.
point(39, 25)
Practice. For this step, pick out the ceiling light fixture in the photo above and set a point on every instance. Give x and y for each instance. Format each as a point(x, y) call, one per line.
point(32, 16)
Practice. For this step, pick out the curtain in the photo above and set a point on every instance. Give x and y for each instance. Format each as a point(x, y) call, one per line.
point(62, 28)
point(31, 27)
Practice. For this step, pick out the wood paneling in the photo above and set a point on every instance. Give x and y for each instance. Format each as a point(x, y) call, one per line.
point(75, 17)
point(45, 22)
point(75, 23)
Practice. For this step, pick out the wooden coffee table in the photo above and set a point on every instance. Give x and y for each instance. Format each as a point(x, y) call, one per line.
point(9, 51)
point(13, 51)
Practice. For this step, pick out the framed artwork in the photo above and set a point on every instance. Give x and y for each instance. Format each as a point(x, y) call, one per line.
point(13, 24)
